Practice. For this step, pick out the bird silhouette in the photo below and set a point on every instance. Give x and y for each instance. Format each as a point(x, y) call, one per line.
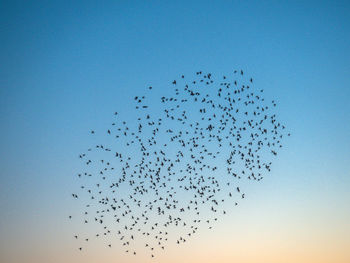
point(159, 172)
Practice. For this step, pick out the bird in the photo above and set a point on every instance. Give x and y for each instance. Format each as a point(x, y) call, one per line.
point(167, 164)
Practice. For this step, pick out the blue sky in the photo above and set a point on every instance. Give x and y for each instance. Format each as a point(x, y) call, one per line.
point(67, 66)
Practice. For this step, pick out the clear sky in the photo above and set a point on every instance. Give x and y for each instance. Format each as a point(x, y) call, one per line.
point(65, 67)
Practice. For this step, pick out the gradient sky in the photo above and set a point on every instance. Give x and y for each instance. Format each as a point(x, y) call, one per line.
point(65, 67)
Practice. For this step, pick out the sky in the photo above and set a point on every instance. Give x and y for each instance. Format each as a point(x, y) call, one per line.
point(65, 67)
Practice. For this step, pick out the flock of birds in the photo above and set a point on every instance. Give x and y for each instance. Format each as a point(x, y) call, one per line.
point(178, 167)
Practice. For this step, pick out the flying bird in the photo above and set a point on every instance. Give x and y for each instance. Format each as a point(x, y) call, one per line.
point(153, 178)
